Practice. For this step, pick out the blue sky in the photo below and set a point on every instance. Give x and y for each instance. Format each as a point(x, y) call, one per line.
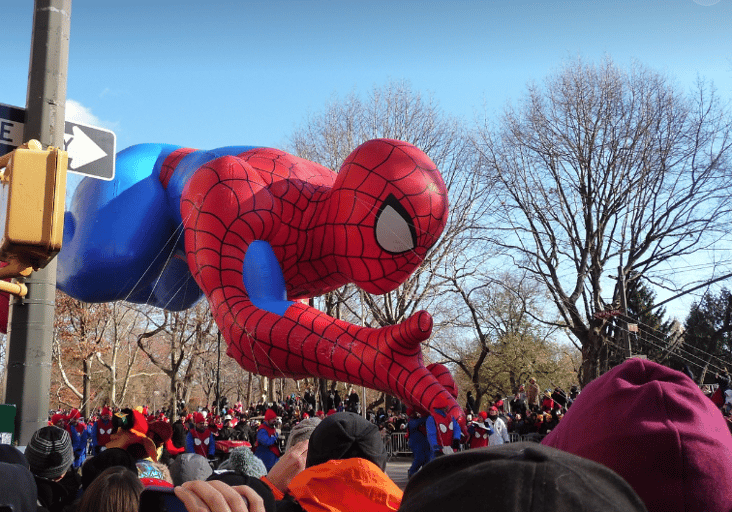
point(208, 74)
point(216, 73)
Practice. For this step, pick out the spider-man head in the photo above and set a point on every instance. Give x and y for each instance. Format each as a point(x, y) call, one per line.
point(388, 207)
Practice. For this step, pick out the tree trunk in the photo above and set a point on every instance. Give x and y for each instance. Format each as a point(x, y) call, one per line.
point(85, 404)
point(323, 393)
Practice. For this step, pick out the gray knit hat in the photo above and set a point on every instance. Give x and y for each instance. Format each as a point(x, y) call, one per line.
point(49, 452)
point(243, 461)
point(301, 432)
point(189, 466)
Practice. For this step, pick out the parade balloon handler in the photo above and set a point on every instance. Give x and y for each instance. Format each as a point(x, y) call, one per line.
point(200, 439)
point(267, 446)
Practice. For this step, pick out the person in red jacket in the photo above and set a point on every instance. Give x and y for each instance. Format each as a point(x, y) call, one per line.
point(479, 431)
point(200, 440)
point(101, 431)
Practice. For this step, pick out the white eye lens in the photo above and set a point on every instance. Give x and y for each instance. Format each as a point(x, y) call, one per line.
point(392, 231)
point(443, 428)
point(197, 442)
point(451, 426)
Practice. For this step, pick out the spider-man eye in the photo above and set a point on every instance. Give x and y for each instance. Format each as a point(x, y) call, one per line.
point(394, 229)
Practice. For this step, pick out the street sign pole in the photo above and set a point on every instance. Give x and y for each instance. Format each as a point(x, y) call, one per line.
point(30, 324)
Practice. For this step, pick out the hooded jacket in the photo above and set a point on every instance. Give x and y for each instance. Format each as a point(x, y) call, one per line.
point(654, 427)
point(345, 485)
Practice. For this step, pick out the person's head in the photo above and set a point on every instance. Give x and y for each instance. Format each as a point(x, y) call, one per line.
point(346, 435)
point(520, 477)
point(270, 417)
point(243, 461)
point(74, 417)
point(532, 380)
point(654, 427)
point(189, 466)
point(199, 421)
point(301, 432)
point(116, 489)
point(18, 491)
point(106, 414)
point(50, 453)
point(58, 420)
point(493, 412)
point(95, 466)
point(12, 455)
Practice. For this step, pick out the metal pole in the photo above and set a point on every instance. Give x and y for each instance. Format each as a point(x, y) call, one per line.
point(624, 307)
point(218, 375)
point(30, 324)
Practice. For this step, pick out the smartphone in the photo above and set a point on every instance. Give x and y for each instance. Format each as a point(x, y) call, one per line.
point(160, 499)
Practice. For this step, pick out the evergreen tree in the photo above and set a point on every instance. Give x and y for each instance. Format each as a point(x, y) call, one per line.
point(708, 333)
point(654, 332)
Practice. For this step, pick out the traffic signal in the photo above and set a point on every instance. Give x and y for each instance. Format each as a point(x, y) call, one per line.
point(32, 198)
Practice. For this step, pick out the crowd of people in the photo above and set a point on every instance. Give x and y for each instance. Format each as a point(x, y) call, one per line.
point(640, 437)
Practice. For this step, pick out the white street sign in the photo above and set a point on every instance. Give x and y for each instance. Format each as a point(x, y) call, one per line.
point(91, 150)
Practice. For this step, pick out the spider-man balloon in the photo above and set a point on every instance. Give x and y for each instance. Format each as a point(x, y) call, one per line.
point(254, 229)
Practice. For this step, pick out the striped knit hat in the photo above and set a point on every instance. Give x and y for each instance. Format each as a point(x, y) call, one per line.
point(49, 452)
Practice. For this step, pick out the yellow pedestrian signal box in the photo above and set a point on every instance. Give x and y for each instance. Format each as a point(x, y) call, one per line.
point(32, 200)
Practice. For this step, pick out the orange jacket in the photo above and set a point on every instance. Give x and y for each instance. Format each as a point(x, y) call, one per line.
point(345, 485)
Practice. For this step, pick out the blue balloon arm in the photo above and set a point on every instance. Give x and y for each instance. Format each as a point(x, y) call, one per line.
point(263, 279)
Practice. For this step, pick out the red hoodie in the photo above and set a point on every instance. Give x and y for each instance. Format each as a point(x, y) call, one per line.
point(655, 428)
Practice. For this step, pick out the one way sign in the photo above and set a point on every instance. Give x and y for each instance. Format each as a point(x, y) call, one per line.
point(91, 150)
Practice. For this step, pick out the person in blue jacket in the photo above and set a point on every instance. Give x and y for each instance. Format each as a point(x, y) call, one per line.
point(268, 448)
point(417, 436)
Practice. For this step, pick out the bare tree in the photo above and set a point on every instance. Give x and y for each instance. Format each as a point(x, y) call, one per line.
point(175, 343)
point(604, 170)
point(495, 339)
point(80, 332)
point(121, 359)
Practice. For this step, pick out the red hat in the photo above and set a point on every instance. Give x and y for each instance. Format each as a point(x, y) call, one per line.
point(483, 414)
point(493, 408)
point(74, 414)
point(159, 432)
point(57, 417)
point(499, 403)
point(269, 415)
point(305, 415)
point(106, 411)
point(199, 418)
point(665, 417)
point(331, 412)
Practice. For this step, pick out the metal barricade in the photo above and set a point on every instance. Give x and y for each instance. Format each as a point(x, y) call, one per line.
point(513, 437)
point(397, 445)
